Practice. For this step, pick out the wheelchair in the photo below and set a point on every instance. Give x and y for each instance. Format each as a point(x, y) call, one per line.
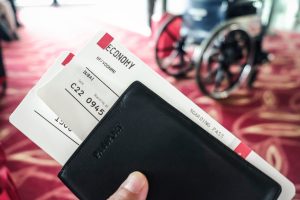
point(220, 39)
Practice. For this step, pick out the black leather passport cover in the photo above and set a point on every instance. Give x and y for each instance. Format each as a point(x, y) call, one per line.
point(181, 160)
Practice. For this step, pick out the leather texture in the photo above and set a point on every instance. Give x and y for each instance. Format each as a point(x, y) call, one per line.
point(142, 132)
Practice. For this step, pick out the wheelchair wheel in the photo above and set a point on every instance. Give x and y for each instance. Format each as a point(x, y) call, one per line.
point(171, 54)
point(224, 60)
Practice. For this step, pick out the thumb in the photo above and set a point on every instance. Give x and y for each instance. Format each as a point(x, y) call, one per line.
point(135, 187)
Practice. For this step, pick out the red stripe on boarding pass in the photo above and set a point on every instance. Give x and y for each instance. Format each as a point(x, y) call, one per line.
point(67, 59)
point(243, 150)
point(105, 41)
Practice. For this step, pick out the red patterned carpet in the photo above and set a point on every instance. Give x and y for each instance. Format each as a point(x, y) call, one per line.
point(267, 118)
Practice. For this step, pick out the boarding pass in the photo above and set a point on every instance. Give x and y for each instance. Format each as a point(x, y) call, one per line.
point(41, 125)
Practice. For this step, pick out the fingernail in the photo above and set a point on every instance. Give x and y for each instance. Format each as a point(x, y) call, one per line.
point(135, 182)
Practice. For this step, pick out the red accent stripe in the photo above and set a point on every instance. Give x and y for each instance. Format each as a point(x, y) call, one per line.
point(105, 41)
point(68, 59)
point(243, 150)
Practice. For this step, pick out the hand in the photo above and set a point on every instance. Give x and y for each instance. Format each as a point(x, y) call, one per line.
point(135, 187)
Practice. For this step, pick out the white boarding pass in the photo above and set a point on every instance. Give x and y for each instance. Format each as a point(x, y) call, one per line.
point(41, 125)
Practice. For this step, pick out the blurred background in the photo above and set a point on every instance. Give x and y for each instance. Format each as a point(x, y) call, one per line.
point(236, 59)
